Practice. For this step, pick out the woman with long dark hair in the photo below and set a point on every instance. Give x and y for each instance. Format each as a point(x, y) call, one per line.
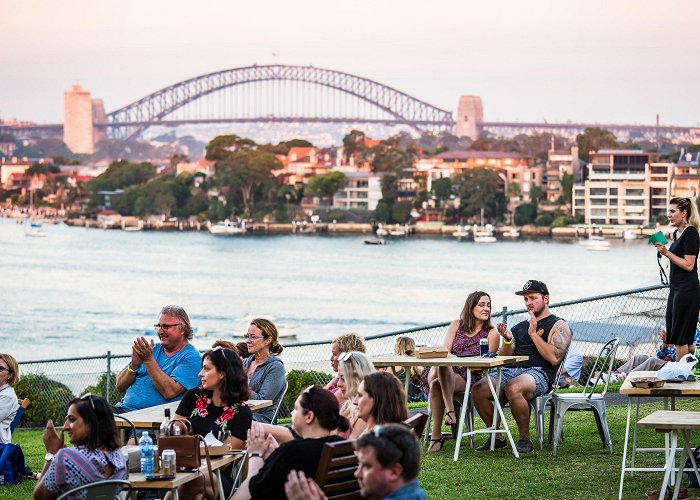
point(684, 289)
point(316, 417)
point(218, 406)
point(463, 337)
point(95, 455)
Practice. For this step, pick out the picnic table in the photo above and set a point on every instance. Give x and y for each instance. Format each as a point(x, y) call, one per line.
point(472, 363)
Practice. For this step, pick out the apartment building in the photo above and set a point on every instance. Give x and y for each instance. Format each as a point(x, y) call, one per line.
point(511, 167)
point(622, 187)
point(558, 164)
point(362, 191)
point(686, 176)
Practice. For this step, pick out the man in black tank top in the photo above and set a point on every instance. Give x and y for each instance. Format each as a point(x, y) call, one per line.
point(544, 339)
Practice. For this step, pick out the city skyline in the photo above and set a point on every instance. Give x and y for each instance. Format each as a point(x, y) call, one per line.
point(584, 62)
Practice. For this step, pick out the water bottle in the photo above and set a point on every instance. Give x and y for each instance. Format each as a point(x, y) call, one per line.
point(146, 448)
point(166, 421)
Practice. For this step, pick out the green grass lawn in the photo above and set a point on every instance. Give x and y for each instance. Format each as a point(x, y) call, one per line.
point(583, 468)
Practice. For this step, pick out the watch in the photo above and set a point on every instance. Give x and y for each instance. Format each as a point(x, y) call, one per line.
point(253, 454)
point(48, 457)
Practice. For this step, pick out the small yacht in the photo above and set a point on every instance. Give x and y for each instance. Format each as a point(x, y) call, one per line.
point(226, 228)
point(461, 232)
point(398, 230)
point(511, 233)
point(596, 243)
point(485, 234)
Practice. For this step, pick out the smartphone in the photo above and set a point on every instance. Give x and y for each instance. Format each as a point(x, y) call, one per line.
point(154, 477)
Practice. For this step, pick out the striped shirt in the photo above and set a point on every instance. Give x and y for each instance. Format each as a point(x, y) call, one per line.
point(73, 467)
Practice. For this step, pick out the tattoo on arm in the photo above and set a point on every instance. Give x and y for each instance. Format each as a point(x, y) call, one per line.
point(560, 338)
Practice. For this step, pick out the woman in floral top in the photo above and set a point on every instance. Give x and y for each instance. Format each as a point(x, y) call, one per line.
point(218, 404)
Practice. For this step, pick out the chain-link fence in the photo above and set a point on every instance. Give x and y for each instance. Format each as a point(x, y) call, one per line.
point(635, 316)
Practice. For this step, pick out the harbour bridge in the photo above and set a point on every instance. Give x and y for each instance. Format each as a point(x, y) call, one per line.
point(303, 94)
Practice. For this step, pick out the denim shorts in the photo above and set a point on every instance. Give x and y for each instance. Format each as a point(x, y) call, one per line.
point(538, 374)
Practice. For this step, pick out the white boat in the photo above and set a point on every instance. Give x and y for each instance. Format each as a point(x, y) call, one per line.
point(34, 229)
point(375, 241)
point(596, 243)
point(226, 228)
point(629, 234)
point(485, 234)
point(512, 233)
point(461, 232)
point(398, 231)
point(137, 227)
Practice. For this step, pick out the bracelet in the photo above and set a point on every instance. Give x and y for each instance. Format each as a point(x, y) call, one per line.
point(254, 454)
point(130, 369)
point(507, 342)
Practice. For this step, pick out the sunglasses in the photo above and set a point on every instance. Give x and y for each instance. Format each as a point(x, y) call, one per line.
point(385, 439)
point(344, 356)
point(89, 396)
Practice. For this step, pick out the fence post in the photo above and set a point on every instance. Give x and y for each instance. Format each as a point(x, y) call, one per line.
point(504, 315)
point(108, 377)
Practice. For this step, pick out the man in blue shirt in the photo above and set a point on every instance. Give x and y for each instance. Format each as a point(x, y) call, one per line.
point(160, 373)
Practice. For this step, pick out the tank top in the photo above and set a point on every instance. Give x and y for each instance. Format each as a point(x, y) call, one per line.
point(524, 346)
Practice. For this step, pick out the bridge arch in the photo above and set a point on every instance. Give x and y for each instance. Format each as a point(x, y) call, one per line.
point(403, 108)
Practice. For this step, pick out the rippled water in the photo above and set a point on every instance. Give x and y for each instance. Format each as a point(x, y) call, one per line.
point(80, 292)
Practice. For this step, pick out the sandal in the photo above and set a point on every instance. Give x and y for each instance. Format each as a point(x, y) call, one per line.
point(434, 450)
point(453, 426)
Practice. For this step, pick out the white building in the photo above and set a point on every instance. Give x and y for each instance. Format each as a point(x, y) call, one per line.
point(362, 191)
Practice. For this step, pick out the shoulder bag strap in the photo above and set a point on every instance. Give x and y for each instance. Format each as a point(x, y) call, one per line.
point(212, 478)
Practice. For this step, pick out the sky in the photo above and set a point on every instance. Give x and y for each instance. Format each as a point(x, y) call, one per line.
point(594, 61)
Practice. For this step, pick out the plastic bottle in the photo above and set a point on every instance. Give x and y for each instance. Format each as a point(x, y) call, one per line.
point(166, 421)
point(146, 448)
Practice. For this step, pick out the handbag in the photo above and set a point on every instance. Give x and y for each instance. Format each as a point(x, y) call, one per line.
point(12, 467)
point(187, 449)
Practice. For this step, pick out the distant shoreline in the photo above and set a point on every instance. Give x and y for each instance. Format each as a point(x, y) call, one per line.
point(429, 228)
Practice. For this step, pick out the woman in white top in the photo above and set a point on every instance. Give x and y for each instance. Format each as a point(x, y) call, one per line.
point(9, 375)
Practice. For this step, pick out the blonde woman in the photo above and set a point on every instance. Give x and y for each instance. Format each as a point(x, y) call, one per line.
point(9, 376)
point(684, 290)
point(352, 368)
point(346, 342)
point(406, 346)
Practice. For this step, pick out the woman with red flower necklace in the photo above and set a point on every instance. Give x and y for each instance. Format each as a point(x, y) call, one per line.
point(217, 405)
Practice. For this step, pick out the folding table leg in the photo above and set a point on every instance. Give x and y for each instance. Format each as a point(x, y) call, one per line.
point(462, 413)
point(497, 406)
point(669, 460)
point(624, 450)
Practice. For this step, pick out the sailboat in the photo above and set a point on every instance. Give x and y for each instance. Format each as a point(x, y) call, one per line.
point(33, 227)
point(485, 233)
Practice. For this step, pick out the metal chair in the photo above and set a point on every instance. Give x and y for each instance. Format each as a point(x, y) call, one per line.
point(23, 403)
point(588, 399)
point(279, 402)
point(417, 423)
point(539, 404)
point(336, 470)
point(133, 428)
point(101, 490)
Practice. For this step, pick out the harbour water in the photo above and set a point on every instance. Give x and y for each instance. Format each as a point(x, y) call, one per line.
point(81, 292)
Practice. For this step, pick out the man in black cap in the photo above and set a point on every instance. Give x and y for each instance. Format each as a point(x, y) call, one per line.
point(544, 338)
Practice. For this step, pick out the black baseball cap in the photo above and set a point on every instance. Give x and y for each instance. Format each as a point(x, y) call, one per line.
point(533, 286)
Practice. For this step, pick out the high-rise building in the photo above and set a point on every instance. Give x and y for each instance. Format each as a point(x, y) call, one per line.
point(78, 133)
point(470, 116)
point(622, 187)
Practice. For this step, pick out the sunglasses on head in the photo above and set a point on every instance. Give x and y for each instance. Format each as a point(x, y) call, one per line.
point(89, 396)
point(344, 356)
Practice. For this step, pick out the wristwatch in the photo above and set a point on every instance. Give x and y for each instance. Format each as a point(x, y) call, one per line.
point(48, 457)
point(252, 454)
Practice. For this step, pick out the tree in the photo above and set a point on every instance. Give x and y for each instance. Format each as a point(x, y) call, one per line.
point(479, 188)
point(593, 139)
point(390, 156)
point(223, 146)
point(513, 190)
point(567, 187)
point(354, 146)
point(382, 212)
point(525, 214)
point(325, 186)
point(442, 188)
point(121, 174)
point(244, 170)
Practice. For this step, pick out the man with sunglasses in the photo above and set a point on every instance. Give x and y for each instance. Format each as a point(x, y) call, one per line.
point(160, 373)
